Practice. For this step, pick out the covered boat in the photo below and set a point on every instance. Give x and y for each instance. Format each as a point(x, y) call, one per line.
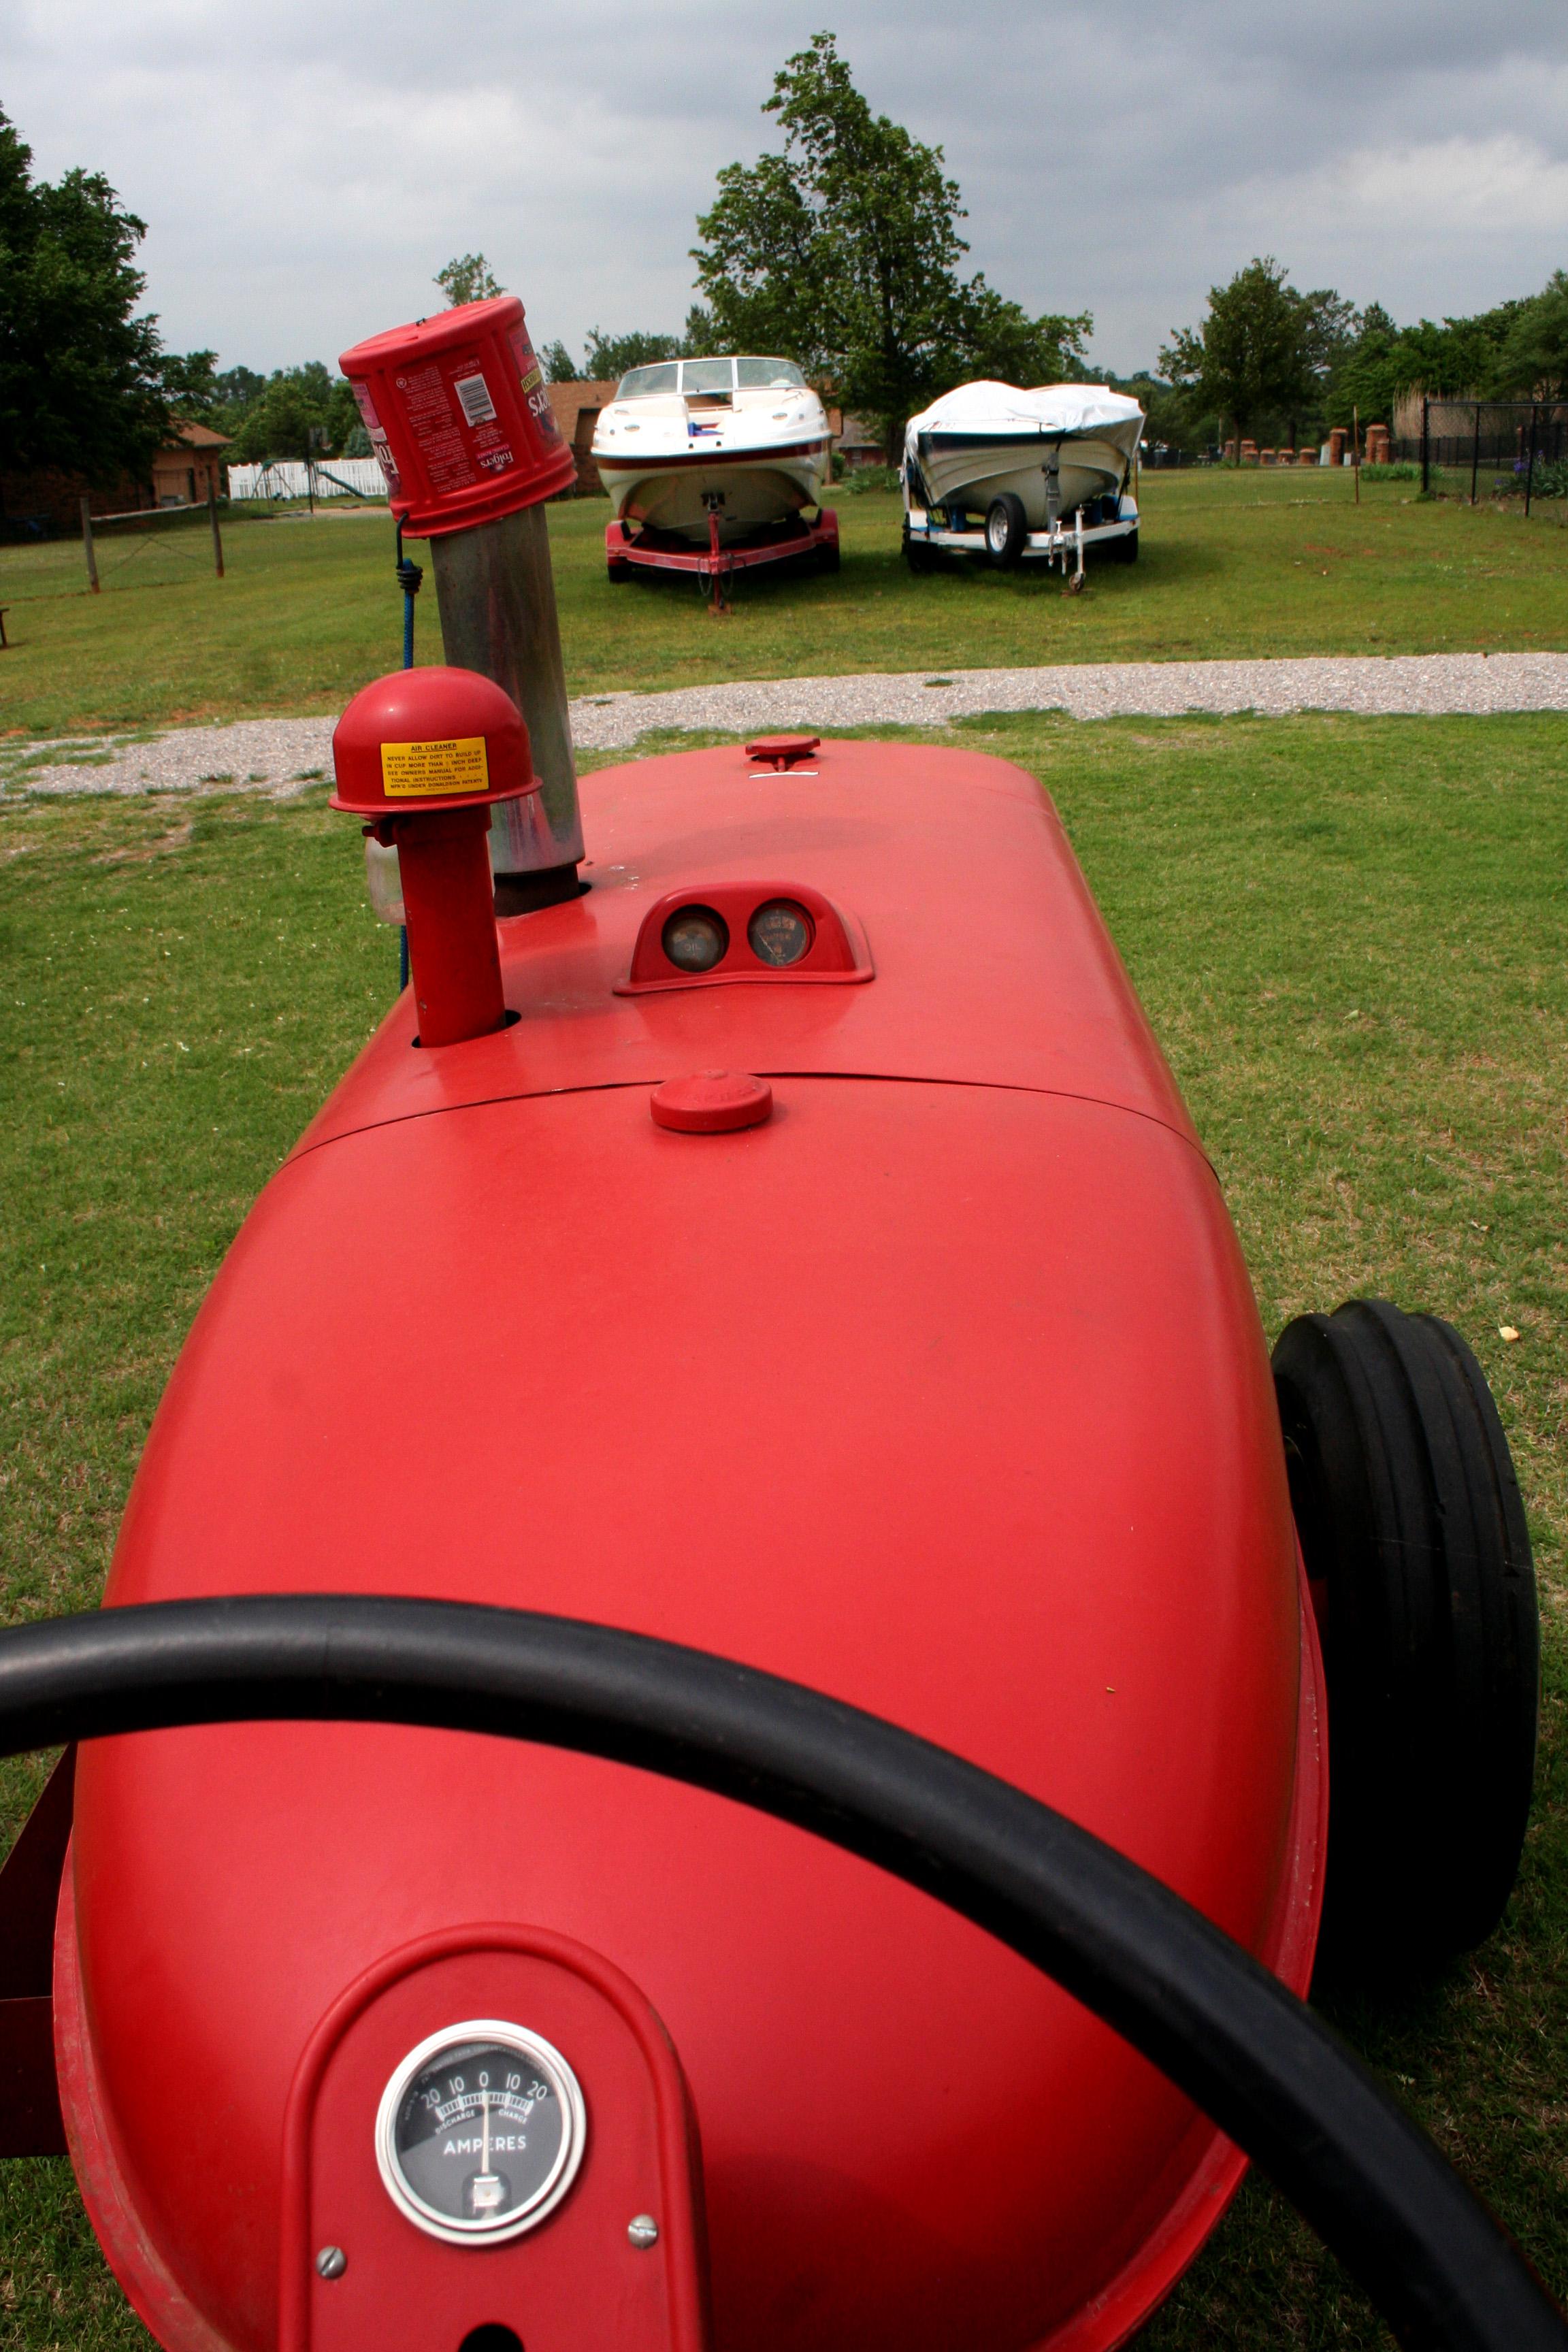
point(1057, 447)
point(740, 439)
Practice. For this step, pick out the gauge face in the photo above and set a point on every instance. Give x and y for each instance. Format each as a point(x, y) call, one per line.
point(481, 2132)
point(695, 939)
point(780, 932)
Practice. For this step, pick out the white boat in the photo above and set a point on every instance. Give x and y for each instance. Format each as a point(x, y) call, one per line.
point(1056, 448)
point(742, 438)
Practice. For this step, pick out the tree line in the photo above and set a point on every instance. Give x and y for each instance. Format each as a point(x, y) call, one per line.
point(842, 252)
point(1267, 361)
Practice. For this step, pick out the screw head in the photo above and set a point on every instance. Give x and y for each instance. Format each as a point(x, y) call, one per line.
point(643, 2229)
point(332, 2261)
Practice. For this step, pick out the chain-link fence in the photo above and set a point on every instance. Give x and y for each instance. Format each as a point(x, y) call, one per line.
point(1478, 449)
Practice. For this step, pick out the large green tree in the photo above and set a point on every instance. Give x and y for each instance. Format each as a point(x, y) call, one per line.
point(85, 383)
point(843, 253)
point(1263, 351)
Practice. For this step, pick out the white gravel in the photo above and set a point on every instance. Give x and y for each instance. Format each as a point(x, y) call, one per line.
point(281, 756)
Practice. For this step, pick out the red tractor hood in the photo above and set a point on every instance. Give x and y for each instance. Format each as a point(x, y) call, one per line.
point(942, 1391)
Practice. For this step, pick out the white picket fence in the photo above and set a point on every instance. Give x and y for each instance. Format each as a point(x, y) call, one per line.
point(327, 477)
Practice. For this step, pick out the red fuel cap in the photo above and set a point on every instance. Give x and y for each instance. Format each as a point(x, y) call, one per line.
point(711, 1102)
point(781, 750)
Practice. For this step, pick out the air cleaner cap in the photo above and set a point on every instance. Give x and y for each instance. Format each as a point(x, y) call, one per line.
point(430, 739)
point(711, 1102)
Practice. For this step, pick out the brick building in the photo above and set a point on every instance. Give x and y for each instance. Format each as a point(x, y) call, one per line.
point(189, 463)
point(576, 408)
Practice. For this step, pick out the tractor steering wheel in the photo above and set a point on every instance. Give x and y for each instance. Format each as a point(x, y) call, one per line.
point(1256, 2059)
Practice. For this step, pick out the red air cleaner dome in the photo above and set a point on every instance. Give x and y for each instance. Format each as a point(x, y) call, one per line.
point(458, 414)
point(436, 737)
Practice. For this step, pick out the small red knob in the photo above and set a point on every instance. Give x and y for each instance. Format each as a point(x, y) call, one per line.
point(711, 1102)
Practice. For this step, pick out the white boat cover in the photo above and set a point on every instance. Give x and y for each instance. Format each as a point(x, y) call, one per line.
point(1045, 408)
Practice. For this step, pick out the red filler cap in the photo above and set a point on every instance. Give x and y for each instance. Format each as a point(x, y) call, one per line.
point(781, 750)
point(430, 739)
point(711, 1102)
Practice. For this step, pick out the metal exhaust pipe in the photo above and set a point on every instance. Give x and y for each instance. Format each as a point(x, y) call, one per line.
point(496, 595)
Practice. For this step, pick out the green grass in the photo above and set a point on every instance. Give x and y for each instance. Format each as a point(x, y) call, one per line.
point(1232, 564)
point(1352, 939)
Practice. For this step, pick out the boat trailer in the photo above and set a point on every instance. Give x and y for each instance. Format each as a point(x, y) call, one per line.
point(715, 565)
point(932, 532)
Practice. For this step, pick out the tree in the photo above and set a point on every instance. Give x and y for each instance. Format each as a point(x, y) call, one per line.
point(612, 355)
point(81, 376)
point(466, 279)
point(1533, 356)
point(190, 386)
point(1262, 350)
point(559, 367)
point(292, 404)
point(843, 253)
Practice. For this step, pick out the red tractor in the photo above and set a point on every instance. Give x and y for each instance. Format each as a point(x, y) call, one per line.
point(783, 1267)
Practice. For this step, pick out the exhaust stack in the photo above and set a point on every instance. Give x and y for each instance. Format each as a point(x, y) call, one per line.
point(459, 416)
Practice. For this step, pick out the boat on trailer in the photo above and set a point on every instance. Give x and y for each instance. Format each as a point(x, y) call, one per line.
point(714, 456)
point(1044, 473)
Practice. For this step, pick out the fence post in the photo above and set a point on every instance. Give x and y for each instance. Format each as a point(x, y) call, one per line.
point(1425, 444)
point(1530, 467)
point(211, 517)
point(1476, 454)
point(87, 548)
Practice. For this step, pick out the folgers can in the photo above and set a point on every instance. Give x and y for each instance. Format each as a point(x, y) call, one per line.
point(458, 414)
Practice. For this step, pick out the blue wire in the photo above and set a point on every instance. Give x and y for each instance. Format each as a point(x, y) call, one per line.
point(409, 574)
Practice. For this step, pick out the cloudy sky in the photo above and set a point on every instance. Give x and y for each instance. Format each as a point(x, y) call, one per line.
point(306, 165)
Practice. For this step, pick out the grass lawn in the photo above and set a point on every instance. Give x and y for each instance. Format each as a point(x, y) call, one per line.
point(1231, 563)
point(1352, 937)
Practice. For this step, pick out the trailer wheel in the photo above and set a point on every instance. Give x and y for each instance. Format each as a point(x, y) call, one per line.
point(1007, 528)
point(917, 554)
point(619, 570)
point(1413, 1536)
point(827, 555)
point(1126, 548)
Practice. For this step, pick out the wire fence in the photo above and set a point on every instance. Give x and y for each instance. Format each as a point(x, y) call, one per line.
point(1478, 449)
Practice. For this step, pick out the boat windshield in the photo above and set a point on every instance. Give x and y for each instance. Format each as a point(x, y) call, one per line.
point(708, 375)
point(637, 381)
point(776, 375)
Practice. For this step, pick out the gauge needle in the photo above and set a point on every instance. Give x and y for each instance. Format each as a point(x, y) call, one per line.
point(485, 2160)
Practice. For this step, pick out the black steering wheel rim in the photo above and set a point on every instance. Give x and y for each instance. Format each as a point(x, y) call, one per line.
point(1271, 2073)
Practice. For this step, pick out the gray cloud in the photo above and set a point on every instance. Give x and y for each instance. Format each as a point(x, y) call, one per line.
point(304, 169)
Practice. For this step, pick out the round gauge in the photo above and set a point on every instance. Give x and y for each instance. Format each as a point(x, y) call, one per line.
point(780, 932)
point(695, 939)
point(481, 2132)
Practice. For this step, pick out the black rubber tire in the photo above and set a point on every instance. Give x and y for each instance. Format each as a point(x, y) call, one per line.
point(1414, 1538)
point(827, 555)
point(918, 556)
point(619, 573)
point(1007, 528)
point(1126, 548)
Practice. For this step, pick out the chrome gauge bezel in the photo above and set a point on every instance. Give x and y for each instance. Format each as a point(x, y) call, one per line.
point(546, 2059)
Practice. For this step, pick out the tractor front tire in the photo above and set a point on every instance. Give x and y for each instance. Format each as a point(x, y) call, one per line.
point(1414, 1540)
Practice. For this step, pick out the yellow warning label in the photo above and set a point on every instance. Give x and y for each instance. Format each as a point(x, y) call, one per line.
point(415, 770)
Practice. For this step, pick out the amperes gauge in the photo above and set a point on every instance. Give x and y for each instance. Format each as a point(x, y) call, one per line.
point(481, 2132)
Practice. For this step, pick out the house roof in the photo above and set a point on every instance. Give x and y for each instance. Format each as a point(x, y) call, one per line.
point(196, 436)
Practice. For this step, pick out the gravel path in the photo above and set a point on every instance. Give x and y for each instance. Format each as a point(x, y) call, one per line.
point(279, 755)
